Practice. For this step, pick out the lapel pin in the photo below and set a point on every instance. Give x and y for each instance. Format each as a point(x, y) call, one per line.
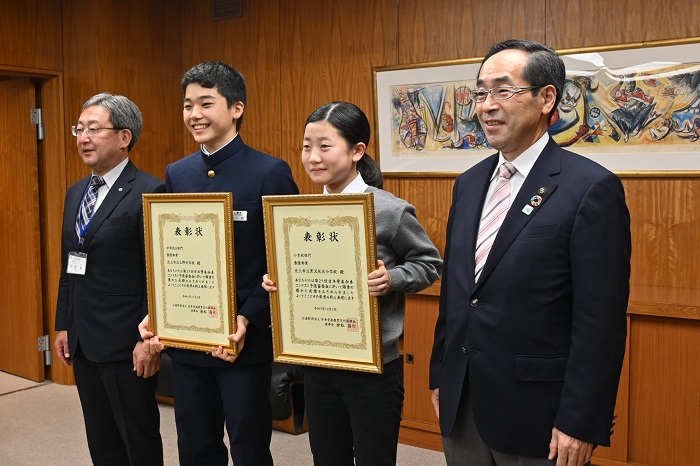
point(542, 191)
point(527, 210)
point(121, 189)
point(535, 201)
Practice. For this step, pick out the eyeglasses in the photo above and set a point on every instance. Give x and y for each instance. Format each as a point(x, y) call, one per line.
point(88, 130)
point(501, 92)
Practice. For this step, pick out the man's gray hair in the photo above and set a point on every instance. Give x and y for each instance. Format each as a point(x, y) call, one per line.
point(123, 113)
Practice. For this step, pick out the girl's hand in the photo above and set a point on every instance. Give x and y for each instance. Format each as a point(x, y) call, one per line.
point(379, 280)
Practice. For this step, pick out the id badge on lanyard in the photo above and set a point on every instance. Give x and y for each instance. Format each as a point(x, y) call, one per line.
point(77, 263)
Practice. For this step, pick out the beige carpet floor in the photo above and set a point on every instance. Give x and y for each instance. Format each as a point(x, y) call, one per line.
point(42, 424)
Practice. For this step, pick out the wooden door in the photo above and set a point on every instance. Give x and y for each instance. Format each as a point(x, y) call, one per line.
point(20, 247)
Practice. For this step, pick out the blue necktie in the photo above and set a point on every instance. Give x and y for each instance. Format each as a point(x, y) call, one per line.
point(87, 207)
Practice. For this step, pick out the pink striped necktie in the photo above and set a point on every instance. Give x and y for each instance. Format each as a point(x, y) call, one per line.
point(494, 213)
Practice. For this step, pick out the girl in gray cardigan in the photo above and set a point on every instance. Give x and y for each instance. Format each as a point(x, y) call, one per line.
point(353, 416)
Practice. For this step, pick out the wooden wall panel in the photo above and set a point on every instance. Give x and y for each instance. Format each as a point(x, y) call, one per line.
point(617, 451)
point(30, 34)
point(327, 53)
point(665, 216)
point(393, 185)
point(419, 425)
point(452, 29)
point(573, 24)
point(251, 45)
point(664, 391)
point(131, 48)
point(418, 336)
point(432, 199)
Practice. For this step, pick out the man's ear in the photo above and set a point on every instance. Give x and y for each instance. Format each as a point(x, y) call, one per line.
point(125, 139)
point(549, 94)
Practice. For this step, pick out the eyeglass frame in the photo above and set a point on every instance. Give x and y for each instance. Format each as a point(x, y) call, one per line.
point(512, 89)
point(88, 131)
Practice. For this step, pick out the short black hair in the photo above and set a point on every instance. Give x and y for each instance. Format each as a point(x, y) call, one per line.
point(228, 82)
point(544, 66)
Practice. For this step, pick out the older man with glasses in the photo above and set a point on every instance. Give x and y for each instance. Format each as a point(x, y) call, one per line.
point(102, 296)
point(530, 336)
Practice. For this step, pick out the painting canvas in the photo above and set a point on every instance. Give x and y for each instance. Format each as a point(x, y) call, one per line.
point(631, 109)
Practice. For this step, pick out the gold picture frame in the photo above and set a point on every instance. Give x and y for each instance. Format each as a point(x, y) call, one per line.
point(190, 270)
point(427, 128)
point(320, 249)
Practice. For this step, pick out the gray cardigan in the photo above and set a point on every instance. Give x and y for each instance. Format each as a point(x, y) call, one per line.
point(411, 258)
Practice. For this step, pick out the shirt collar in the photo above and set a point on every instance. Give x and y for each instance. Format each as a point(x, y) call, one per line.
point(111, 176)
point(207, 153)
point(357, 185)
point(525, 161)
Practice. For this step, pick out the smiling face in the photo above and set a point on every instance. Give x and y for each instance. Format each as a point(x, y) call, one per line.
point(328, 159)
point(207, 116)
point(512, 125)
point(104, 149)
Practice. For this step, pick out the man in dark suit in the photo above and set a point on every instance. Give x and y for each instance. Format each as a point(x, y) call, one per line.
point(102, 295)
point(209, 391)
point(530, 337)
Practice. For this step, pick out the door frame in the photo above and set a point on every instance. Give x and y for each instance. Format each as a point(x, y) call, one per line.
point(52, 187)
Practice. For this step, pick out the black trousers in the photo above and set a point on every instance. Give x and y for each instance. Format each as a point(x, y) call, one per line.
point(353, 416)
point(206, 397)
point(121, 414)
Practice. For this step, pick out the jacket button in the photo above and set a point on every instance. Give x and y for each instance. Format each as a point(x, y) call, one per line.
point(474, 302)
point(464, 350)
point(211, 173)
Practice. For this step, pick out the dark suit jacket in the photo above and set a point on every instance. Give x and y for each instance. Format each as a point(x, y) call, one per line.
point(540, 338)
point(103, 308)
point(248, 174)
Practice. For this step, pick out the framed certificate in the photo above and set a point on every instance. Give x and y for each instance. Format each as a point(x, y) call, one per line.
point(320, 249)
point(190, 269)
